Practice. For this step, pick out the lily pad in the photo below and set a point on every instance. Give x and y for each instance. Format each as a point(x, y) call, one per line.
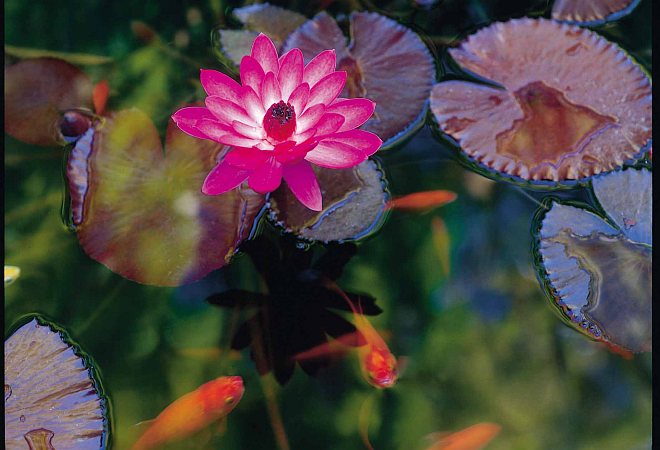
point(275, 22)
point(37, 92)
point(555, 121)
point(385, 61)
point(597, 267)
point(140, 211)
point(53, 396)
point(591, 12)
point(354, 205)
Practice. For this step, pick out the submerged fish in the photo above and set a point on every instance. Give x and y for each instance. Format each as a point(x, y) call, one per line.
point(11, 274)
point(474, 437)
point(441, 243)
point(422, 201)
point(378, 364)
point(190, 413)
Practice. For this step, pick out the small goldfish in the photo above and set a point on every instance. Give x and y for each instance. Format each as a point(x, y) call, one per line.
point(378, 365)
point(422, 201)
point(190, 413)
point(11, 274)
point(100, 96)
point(474, 437)
point(441, 242)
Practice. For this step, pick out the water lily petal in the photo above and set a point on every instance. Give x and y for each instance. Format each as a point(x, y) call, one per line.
point(367, 142)
point(265, 53)
point(267, 177)
point(223, 178)
point(226, 111)
point(319, 67)
point(248, 131)
point(252, 104)
point(329, 123)
point(327, 89)
point(298, 98)
point(224, 134)
point(290, 152)
point(270, 91)
point(188, 118)
point(217, 83)
point(335, 155)
point(303, 183)
point(356, 111)
point(245, 158)
point(291, 71)
point(252, 74)
point(309, 118)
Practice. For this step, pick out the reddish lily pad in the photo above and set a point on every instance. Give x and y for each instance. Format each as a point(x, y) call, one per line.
point(37, 92)
point(385, 61)
point(52, 392)
point(140, 211)
point(572, 105)
point(275, 22)
point(354, 205)
point(597, 269)
point(591, 12)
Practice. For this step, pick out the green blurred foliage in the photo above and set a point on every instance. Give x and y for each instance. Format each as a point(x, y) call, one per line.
point(480, 346)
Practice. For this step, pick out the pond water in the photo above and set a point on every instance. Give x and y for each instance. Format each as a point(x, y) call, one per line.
point(453, 290)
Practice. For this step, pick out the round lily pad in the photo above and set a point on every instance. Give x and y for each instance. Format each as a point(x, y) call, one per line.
point(37, 92)
point(385, 61)
point(354, 205)
point(275, 22)
point(592, 12)
point(53, 396)
point(571, 105)
point(596, 267)
point(140, 211)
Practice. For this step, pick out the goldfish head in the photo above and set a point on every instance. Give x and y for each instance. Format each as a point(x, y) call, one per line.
point(381, 367)
point(221, 395)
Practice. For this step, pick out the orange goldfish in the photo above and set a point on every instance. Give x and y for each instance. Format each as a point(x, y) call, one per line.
point(475, 437)
point(190, 413)
point(378, 365)
point(422, 201)
point(100, 96)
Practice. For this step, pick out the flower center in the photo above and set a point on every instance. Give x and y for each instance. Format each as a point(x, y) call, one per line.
point(280, 121)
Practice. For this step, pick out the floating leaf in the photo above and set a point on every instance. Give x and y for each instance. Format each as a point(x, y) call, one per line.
point(11, 274)
point(354, 203)
point(573, 104)
point(277, 23)
point(385, 61)
point(37, 93)
point(599, 273)
point(83, 59)
point(591, 12)
point(141, 212)
point(53, 395)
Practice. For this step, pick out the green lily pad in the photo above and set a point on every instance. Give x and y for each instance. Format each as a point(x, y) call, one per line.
point(354, 205)
point(37, 93)
point(140, 211)
point(385, 61)
point(53, 394)
point(596, 267)
point(554, 121)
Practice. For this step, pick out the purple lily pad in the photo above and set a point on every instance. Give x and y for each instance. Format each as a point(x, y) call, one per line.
point(53, 398)
point(381, 59)
point(277, 23)
point(354, 205)
point(572, 105)
point(597, 270)
point(591, 12)
point(140, 211)
point(37, 93)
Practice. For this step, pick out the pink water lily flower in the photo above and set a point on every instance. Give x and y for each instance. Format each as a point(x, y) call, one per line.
point(281, 119)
